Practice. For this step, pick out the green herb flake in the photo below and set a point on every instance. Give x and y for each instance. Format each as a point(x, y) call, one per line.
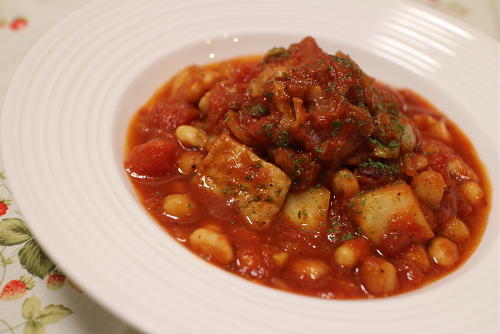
point(302, 213)
point(319, 149)
point(275, 53)
point(387, 168)
point(283, 139)
point(347, 236)
point(344, 61)
point(258, 110)
point(267, 129)
point(336, 125)
point(394, 144)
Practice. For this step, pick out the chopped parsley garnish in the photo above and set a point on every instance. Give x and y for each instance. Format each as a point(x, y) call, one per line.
point(258, 110)
point(329, 87)
point(258, 164)
point(267, 129)
point(394, 144)
point(344, 61)
point(347, 236)
point(387, 168)
point(336, 125)
point(302, 213)
point(319, 149)
point(275, 53)
point(283, 139)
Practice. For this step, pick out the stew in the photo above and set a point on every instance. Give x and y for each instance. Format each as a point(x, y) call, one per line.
point(299, 171)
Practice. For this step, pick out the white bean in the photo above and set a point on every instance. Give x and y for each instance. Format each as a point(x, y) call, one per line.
point(429, 187)
point(213, 244)
point(378, 275)
point(204, 102)
point(189, 162)
point(351, 252)
point(473, 192)
point(191, 136)
point(455, 230)
point(344, 183)
point(280, 259)
point(310, 269)
point(443, 252)
point(460, 171)
point(178, 205)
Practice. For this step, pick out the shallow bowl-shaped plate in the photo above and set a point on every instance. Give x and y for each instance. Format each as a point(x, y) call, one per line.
point(63, 130)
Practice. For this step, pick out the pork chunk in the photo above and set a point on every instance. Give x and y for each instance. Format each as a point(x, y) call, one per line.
point(256, 187)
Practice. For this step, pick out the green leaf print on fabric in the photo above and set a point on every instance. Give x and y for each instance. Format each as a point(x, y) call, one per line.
point(34, 260)
point(36, 317)
point(13, 231)
point(34, 327)
point(53, 313)
point(31, 307)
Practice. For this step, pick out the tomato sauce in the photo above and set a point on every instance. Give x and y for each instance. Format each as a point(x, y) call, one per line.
point(330, 134)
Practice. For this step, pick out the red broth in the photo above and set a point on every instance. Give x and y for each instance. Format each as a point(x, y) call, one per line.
point(298, 171)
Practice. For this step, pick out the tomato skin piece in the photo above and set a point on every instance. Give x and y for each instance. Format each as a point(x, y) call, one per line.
point(168, 115)
point(152, 159)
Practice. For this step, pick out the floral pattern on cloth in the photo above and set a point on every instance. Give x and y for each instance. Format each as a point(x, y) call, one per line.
point(18, 248)
point(10, 18)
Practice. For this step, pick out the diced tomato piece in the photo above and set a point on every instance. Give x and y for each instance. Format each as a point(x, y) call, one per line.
point(153, 158)
point(168, 115)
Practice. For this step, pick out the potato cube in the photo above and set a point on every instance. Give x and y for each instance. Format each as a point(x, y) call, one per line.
point(307, 209)
point(378, 211)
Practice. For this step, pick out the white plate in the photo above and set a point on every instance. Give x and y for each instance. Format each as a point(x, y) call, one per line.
point(63, 129)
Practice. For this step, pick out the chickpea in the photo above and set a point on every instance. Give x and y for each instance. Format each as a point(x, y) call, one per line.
point(429, 187)
point(191, 136)
point(178, 205)
point(310, 269)
point(214, 244)
point(378, 275)
point(473, 192)
point(344, 183)
point(443, 252)
point(351, 252)
point(455, 230)
point(189, 162)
